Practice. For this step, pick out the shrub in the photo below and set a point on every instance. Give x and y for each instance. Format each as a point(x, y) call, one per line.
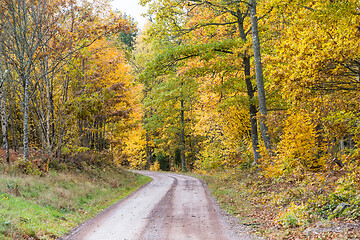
point(25, 166)
point(155, 166)
point(344, 192)
point(293, 216)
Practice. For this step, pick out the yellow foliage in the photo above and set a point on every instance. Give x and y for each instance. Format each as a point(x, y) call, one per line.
point(211, 156)
point(134, 149)
point(298, 145)
point(293, 216)
point(297, 149)
point(155, 166)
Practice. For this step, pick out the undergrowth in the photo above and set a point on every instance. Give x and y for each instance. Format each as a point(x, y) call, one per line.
point(312, 206)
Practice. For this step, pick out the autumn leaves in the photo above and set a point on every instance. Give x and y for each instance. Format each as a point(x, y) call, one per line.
point(68, 75)
point(310, 69)
point(220, 82)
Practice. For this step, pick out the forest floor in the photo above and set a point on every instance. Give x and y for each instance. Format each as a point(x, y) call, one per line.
point(258, 202)
point(46, 205)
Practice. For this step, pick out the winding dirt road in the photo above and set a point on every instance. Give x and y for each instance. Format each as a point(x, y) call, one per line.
point(172, 206)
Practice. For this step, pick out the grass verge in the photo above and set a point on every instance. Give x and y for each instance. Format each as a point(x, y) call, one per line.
point(46, 207)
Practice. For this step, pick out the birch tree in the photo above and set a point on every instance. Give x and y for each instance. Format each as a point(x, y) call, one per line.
point(3, 112)
point(27, 23)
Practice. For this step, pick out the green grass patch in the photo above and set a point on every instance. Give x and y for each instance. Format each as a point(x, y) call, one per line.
point(34, 207)
point(231, 194)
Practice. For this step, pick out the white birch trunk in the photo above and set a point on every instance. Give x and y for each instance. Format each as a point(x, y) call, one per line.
point(4, 119)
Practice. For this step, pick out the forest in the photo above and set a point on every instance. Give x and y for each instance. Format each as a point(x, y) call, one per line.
point(264, 96)
point(231, 82)
point(261, 95)
point(65, 82)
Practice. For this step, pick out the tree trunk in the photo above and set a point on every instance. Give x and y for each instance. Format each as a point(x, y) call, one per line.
point(259, 75)
point(88, 133)
point(148, 150)
point(13, 126)
point(195, 150)
point(250, 91)
point(61, 137)
point(252, 109)
point(104, 134)
point(26, 116)
point(49, 110)
point(182, 136)
point(81, 132)
point(4, 119)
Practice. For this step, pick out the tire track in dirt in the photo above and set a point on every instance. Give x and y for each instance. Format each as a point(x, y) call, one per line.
point(171, 207)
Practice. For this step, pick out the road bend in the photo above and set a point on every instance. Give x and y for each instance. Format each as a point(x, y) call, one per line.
point(170, 207)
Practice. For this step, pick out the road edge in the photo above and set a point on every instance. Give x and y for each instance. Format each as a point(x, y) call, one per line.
point(228, 219)
point(101, 215)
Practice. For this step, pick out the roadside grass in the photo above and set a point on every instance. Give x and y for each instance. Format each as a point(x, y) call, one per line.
point(285, 208)
point(46, 207)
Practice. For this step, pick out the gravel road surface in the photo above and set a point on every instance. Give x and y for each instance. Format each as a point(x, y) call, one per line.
point(172, 207)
